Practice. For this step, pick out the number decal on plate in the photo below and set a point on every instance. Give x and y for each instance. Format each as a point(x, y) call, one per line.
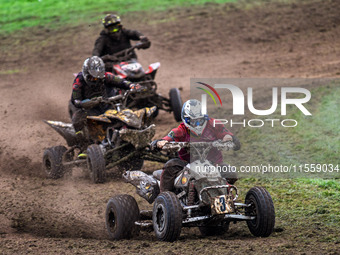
point(222, 203)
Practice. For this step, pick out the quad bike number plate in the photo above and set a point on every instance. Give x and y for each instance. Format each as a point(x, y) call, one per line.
point(222, 204)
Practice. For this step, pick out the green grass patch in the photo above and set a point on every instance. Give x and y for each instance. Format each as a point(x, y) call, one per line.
point(20, 14)
point(306, 209)
point(12, 71)
point(52, 14)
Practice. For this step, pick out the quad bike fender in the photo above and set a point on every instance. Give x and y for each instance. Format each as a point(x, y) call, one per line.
point(153, 69)
point(99, 118)
point(66, 130)
point(146, 185)
point(129, 69)
point(135, 119)
point(138, 138)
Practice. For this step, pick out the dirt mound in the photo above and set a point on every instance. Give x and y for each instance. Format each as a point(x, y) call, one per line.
point(273, 40)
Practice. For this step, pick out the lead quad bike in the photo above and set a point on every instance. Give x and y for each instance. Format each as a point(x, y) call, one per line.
point(117, 138)
point(130, 69)
point(202, 198)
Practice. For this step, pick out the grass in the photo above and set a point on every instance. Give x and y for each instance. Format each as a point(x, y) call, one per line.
point(12, 71)
point(304, 204)
point(20, 14)
point(51, 14)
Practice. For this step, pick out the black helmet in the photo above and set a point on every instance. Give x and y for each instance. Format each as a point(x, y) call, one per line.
point(113, 21)
point(93, 70)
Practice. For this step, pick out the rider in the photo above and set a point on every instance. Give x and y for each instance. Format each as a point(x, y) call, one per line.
point(88, 87)
point(195, 127)
point(115, 38)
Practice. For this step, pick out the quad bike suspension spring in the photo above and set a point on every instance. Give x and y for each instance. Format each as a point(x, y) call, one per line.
point(192, 193)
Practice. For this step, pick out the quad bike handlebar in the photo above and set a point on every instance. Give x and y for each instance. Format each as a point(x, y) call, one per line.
point(219, 144)
point(200, 150)
point(90, 103)
point(114, 100)
point(125, 54)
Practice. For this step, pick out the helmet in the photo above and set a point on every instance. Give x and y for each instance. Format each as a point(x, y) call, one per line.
point(193, 118)
point(112, 23)
point(93, 70)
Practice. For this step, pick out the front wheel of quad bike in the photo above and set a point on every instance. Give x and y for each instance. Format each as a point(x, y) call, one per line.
point(121, 214)
point(211, 230)
point(52, 162)
point(96, 163)
point(262, 208)
point(176, 103)
point(167, 217)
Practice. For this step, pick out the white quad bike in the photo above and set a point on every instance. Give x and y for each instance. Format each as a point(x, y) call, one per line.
point(201, 198)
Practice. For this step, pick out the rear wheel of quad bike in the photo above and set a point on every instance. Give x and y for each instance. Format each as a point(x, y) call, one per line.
point(121, 214)
point(96, 163)
point(262, 208)
point(211, 230)
point(52, 162)
point(176, 103)
point(167, 217)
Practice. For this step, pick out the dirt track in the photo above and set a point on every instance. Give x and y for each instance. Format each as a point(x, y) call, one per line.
point(67, 216)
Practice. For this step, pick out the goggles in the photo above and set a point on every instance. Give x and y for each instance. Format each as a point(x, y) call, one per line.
point(91, 78)
point(195, 122)
point(113, 28)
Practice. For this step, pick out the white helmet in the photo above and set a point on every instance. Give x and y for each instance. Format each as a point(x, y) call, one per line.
point(94, 70)
point(193, 118)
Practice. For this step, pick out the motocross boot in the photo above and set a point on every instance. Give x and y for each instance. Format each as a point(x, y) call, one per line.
point(82, 141)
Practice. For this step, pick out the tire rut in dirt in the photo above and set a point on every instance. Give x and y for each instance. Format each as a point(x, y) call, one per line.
point(41, 221)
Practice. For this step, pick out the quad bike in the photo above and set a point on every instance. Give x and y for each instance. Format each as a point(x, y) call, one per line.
point(128, 68)
point(117, 138)
point(201, 198)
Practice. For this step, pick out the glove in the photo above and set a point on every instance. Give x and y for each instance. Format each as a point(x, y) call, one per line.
point(112, 58)
point(105, 58)
point(88, 104)
point(135, 87)
point(143, 38)
point(158, 144)
point(145, 42)
point(237, 143)
point(227, 138)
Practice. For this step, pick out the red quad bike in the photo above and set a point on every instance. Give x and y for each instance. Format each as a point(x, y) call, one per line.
point(130, 69)
point(201, 198)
